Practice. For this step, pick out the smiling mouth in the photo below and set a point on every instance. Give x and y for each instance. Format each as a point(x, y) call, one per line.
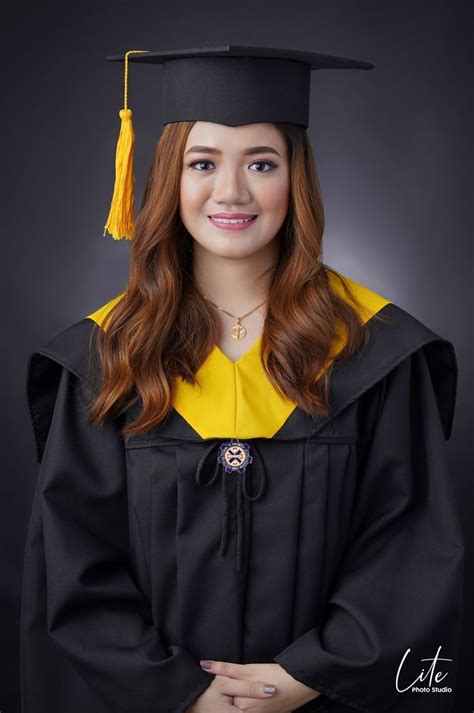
point(232, 221)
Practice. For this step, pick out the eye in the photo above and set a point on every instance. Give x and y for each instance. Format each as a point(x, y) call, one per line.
point(195, 163)
point(267, 163)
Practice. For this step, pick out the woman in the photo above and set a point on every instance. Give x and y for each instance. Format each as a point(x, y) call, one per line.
point(242, 460)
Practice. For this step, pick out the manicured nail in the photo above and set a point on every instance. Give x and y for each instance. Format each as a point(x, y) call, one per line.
point(206, 664)
point(269, 689)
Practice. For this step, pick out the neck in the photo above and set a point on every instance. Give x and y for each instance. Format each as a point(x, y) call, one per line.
point(235, 284)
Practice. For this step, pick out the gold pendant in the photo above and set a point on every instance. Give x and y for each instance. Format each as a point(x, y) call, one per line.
point(238, 332)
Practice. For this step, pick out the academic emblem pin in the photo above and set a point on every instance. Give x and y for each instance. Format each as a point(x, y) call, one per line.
point(234, 456)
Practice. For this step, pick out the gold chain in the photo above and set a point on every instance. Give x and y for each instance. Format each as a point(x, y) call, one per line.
point(238, 331)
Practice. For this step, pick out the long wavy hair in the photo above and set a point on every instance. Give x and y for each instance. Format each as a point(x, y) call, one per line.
point(164, 328)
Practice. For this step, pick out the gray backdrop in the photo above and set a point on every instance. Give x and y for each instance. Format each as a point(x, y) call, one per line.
point(393, 151)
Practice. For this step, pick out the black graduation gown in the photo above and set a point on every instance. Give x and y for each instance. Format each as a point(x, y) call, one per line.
point(336, 552)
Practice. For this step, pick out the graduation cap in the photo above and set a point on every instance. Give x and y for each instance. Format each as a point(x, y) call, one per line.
point(226, 85)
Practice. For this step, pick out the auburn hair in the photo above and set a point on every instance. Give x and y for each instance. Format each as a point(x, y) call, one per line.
point(164, 328)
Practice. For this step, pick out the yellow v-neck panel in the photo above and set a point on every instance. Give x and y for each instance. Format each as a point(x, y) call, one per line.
point(237, 399)
point(233, 399)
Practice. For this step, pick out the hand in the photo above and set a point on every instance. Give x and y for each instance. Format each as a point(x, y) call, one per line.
point(241, 687)
point(219, 695)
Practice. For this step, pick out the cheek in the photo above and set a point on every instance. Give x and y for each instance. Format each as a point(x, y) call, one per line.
point(192, 194)
point(274, 196)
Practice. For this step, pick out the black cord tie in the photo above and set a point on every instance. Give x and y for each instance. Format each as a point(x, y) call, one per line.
point(233, 458)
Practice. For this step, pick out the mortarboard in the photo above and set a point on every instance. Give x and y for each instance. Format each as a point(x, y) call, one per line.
point(225, 85)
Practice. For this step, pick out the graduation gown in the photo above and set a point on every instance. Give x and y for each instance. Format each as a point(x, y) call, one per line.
point(243, 530)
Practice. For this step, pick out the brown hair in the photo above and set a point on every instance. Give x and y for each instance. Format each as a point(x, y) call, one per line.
point(164, 328)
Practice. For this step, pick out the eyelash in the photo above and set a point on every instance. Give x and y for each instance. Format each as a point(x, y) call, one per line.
point(272, 164)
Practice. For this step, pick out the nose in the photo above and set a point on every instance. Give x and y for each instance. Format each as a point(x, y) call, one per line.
point(230, 186)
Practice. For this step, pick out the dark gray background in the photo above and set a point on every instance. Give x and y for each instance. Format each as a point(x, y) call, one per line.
point(393, 151)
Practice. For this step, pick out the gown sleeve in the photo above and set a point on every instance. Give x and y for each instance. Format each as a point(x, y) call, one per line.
point(398, 585)
point(88, 640)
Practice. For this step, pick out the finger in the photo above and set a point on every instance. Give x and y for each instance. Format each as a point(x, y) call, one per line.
point(245, 689)
point(226, 668)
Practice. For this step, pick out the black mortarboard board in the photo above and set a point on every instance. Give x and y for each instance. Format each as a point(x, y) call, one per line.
point(226, 85)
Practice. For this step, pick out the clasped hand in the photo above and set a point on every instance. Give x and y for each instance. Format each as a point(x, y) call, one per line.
point(240, 687)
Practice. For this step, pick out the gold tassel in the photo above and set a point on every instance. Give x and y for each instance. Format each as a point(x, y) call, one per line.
point(120, 221)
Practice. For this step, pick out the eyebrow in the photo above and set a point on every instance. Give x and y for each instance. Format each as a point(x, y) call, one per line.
point(247, 152)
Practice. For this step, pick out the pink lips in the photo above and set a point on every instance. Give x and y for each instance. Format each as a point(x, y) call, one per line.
point(232, 226)
point(232, 215)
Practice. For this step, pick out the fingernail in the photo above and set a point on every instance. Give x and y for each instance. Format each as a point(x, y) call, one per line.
point(206, 664)
point(269, 689)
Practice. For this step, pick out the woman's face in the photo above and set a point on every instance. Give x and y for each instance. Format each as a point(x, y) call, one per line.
point(234, 170)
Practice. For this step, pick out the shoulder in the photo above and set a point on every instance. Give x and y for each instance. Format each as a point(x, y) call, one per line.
point(72, 346)
point(394, 336)
point(394, 330)
point(71, 349)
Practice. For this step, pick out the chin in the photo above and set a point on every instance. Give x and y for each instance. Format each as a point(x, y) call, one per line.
point(231, 247)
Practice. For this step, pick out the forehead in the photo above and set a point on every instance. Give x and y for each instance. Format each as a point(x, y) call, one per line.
point(223, 137)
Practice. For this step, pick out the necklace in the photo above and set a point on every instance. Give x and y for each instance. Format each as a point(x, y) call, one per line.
point(238, 331)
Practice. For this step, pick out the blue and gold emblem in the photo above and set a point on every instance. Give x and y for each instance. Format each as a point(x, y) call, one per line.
point(234, 456)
